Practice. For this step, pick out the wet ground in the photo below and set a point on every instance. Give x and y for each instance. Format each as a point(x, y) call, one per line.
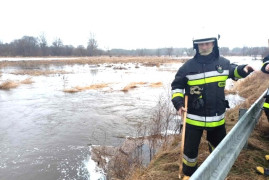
point(45, 132)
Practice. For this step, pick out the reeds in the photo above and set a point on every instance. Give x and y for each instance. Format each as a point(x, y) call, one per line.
point(79, 88)
point(27, 81)
point(8, 85)
point(35, 72)
point(157, 84)
point(132, 85)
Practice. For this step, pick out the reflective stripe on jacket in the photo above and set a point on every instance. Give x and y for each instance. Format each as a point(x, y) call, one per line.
point(209, 77)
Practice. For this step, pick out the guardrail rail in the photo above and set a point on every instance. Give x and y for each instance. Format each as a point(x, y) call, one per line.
point(219, 162)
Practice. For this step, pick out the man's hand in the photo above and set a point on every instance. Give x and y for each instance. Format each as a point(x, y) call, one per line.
point(267, 68)
point(248, 69)
point(181, 110)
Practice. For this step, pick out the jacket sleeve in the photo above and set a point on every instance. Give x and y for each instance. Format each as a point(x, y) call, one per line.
point(265, 63)
point(237, 71)
point(178, 88)
point(266, 104)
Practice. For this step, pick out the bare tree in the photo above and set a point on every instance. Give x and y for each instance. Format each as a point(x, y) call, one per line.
point(141, 52)
point(26, 46)
point(42, 42)
point(224, 51)
point(80, 51)
point(2, 46)
point(169, 51)
point(254, 52)
point(56, 48)
point(92, 45)
point(189, 51)
point(158, 52)
point(264, 52)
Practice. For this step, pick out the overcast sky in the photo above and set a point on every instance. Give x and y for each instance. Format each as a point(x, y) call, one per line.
point(132, 24)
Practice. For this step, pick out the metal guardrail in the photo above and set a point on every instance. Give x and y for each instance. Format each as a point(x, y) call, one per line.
point(219, 162)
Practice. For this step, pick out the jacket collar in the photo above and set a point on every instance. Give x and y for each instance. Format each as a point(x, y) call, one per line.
point(205, 59)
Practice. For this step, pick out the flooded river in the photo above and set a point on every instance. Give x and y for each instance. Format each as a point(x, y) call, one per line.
point(45, 132)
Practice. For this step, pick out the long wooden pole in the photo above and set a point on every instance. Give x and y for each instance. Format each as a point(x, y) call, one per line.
point(183, 136)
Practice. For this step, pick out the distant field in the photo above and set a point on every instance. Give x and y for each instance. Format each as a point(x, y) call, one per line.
point(150, 61)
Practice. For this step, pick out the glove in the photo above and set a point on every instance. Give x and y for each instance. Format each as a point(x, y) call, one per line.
point(248, 69)
point(244, 70)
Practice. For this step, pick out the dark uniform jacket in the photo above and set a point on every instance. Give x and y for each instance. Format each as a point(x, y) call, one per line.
point(265, 62)
point(203, 80)
point(266, 103)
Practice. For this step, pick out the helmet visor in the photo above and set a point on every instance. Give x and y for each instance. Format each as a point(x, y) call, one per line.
point(199, 41)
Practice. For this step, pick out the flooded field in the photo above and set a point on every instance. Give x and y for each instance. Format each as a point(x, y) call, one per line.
point(47, 124)
point(45, 131)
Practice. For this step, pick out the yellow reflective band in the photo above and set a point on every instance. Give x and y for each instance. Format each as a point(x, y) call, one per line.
point(207, 80)
point(266, 105)
point(266, 62)
point(191, 164)
point(221, 84)
point(205, 124)
point(236, 74)
point(177, 94)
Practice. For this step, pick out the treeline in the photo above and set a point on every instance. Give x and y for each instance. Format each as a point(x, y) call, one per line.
point(38, 46)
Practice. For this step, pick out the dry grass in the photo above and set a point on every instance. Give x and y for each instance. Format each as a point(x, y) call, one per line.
point(253, 156)
point(133, 85)
point(130, 86)
point(165, 164)
point(251, 89)
point(148, 61)
point(157, 84)
point(79, 88)
point(9, 85)
point(35, 72)
point(27, 81)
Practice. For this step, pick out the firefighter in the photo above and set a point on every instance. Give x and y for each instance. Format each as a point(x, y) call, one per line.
point(203, 79)
point(265, 69)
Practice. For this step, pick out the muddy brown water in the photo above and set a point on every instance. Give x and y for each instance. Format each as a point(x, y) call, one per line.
point(45, 132)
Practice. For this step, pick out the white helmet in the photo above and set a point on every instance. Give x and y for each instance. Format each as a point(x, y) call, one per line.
point(205, 38)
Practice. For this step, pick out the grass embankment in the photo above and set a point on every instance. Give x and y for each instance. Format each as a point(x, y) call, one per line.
point(165, 165)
